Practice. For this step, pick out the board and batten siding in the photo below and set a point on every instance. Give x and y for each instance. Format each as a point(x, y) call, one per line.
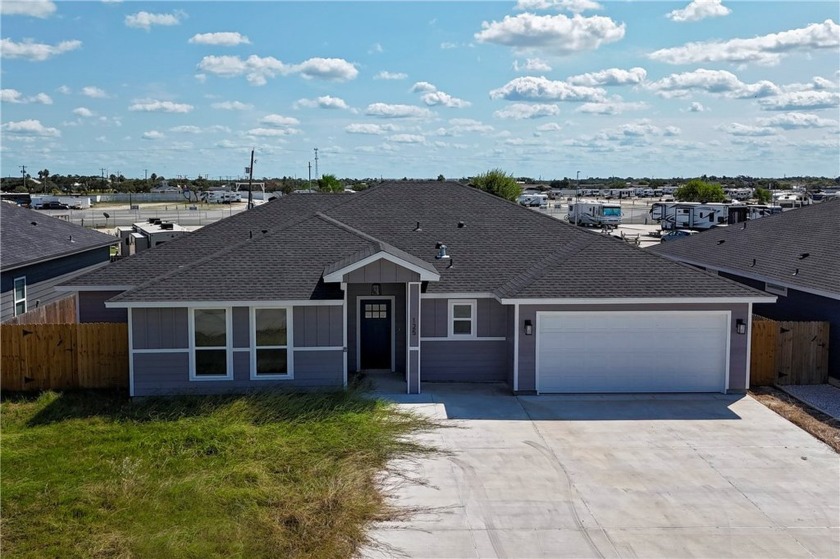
point(491, 318)
point(381, 271)
point(738, 362)
point(167, 372)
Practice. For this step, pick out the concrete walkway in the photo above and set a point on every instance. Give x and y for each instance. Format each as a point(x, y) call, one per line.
point(610, 476)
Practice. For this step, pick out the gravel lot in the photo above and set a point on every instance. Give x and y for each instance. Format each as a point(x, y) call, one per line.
point(823, 397)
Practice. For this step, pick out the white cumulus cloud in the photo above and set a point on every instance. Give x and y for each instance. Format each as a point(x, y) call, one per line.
point(550, 127)
point(153, 135)
point(155, 106)
point(737, 129)
point(573, 6)
point(766, 49)
point(186, 129)
point(799, 100)
point(423, 87)
point(335, 69)
point(531, 65)
point(33, 8)
point(386, 110)
point(222, 38)
point(791, 121)
point(371, 129)
point(612, 107)
point(386, 75)
point(41, 98)
point(434, 98)
point(36, 52)
point(83, 112)
point(521, 111)
point(718, 82)
point(323, 102)
point(557, 34)
point(530, 88)
point(94, 92)
point(611, 76)
point(696, 107)
point(256, 69)
point(699, 9)
point(232, 106)
point(30, 128)
point(15, 96)
point(279, 120)
point(145, 20)
point(272, 132)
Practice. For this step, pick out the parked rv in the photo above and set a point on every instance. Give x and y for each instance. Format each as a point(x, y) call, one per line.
point(534, 200)
point(594, 213)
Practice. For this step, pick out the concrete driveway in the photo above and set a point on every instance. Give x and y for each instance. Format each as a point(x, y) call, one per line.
point(611, 476)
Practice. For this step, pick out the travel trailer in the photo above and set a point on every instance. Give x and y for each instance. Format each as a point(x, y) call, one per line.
point(534, 200)
point(594, 213)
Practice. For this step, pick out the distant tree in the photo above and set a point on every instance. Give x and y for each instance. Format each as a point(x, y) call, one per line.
point(763, 195)
point(441, 178)
point(499, 183)
point(329, 183)
point(697, 190)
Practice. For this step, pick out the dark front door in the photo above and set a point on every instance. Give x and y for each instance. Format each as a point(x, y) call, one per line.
point(375, 333)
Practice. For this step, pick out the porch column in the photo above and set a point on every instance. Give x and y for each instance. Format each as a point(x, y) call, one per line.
point(412, 317)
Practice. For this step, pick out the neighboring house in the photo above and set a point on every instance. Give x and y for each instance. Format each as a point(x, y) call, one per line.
point(794, 255)
point(433, 280)
point(37, 252)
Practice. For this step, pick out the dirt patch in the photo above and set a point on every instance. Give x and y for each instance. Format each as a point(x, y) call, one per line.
point(818, 424)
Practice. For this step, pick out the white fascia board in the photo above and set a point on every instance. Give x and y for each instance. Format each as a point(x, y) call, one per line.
point(338, 275)
point(643, 301)
point(757, 277)
point(457, 296)
point(222, 304)
point(75, 288)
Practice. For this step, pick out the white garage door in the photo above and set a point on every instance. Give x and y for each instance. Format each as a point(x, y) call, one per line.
point(632, 351)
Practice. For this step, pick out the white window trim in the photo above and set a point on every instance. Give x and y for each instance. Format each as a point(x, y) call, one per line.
point(359, 301)
point(450, 316)
point(775, 289)
point(228, 347)
point(289, 347)
point(15, 297)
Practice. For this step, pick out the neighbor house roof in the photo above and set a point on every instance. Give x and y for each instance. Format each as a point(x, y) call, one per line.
point(798, 248)
point(282, 251)
point(30, 237)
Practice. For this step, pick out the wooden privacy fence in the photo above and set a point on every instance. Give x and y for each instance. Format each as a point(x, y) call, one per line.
point(57, 312)
point(788, 352)
point(62, 356)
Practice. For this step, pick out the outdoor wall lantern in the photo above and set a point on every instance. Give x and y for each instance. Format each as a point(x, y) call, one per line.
point(529, 328)
point(740, 326)
point(375, 289)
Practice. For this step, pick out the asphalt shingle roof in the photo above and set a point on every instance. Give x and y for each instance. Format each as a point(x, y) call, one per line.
point(496, 246)
point(29, 237)
point(799, 248)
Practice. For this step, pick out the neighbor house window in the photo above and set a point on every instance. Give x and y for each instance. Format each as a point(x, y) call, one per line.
point(271, 343)
point(20, 296)
point(210, 341)
point(462, 319)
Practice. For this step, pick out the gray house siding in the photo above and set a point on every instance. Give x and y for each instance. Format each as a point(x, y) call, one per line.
point(464, 361)
point(167, 371)
point(91, 305)
point(381, 271)
point(41, 279)
point(798, 305)
point(491, 318)
point(395, 290)
point(738, 363)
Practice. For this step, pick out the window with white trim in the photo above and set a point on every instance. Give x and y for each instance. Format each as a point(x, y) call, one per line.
point(462, 318)
point(270, 349)
point(210, 344)
point(20, 295)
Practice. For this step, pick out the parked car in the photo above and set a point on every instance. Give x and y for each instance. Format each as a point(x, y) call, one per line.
point(678, 234)
point(53, 206)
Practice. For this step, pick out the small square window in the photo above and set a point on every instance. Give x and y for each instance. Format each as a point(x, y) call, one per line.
point(462, 318)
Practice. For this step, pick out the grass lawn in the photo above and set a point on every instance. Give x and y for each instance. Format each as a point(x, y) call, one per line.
point(91, 474)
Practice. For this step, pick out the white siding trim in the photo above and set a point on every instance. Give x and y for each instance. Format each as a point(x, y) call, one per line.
point(15, 299)
point(641, 301)
point(94, 287)
point(457, 296)
point(225, 304)
point(338, 275)
point(162, 350)
point(130, 354)
point(320, 348)
point(463, 339)
point(749, 345)
point(728, 351)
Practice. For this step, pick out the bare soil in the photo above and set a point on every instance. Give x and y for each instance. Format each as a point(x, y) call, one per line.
point(818, 424)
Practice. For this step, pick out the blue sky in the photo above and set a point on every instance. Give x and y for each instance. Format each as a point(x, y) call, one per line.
point(539, 88)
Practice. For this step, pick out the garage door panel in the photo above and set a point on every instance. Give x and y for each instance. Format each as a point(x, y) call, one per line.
point(632, 351)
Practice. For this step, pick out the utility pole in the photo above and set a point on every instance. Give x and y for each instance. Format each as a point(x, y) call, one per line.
point(23, 172)
point(317, 176)
point(250, 181)
point(310, 175)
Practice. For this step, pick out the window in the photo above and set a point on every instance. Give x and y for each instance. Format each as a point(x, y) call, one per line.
point(376, 310)
point(612, 212)
point(462, 319)
point(270, 357)
point(20, 296)
point(210, 342)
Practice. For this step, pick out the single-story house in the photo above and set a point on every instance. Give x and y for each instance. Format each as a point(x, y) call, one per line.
point(38, 252)
point(794, 255)
point(435, 281)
